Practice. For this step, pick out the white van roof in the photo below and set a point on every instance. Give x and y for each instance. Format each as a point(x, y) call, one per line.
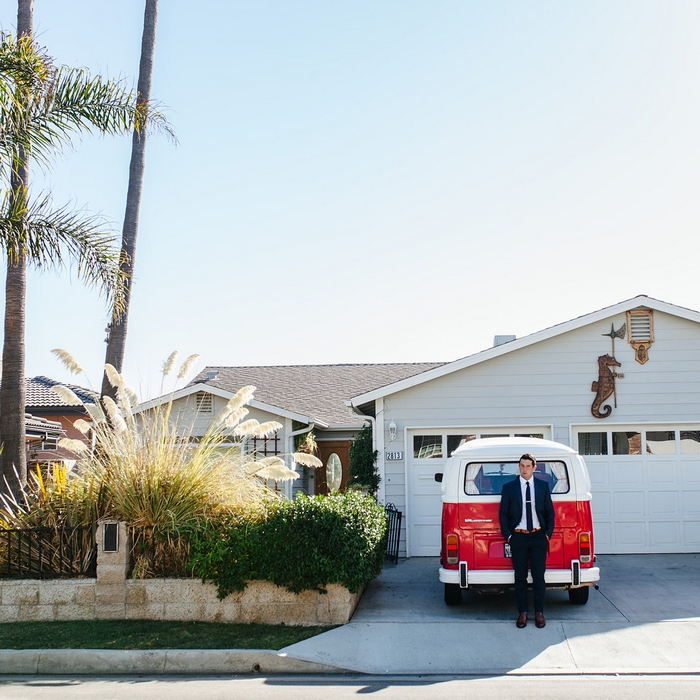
point(512, 448)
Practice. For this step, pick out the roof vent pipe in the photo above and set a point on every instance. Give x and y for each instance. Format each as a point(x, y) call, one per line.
point(502, 339)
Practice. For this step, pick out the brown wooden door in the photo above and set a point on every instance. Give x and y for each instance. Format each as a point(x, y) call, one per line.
point(341, 448)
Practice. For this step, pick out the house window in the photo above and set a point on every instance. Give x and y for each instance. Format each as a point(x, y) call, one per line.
point(427, 446)
point(593, 443)
point(204, 402)
point(266, 447)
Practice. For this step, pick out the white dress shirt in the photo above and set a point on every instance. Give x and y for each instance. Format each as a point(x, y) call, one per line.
point(522, 525)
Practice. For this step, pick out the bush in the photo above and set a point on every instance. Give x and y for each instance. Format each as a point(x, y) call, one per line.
point(363, 462)
point(303, 544)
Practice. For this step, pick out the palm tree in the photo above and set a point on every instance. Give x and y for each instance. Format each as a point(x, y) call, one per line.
point(116, 341)
point(42, 108)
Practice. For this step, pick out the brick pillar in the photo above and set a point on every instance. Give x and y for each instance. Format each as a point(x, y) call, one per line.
point(112, 568)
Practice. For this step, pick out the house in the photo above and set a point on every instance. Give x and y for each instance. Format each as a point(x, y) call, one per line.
point(303, 398)
point(45, 406)
point(621, 385)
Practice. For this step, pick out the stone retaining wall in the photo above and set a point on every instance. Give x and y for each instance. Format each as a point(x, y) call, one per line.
point(112, 596)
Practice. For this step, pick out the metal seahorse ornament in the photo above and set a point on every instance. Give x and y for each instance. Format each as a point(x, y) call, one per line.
point(605, 386)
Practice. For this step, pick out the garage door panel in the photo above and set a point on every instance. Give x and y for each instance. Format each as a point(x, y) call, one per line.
point(691, 533)
point(629, 504)
point(424, 510)
point(426, 541)
point(599, 473)
point(663, 504)
point(628, 474)
point(691, 504)
point(664, 534)
point(630, 535)
point(690, 473)
point(663, 474)
point(600, 506)
point(603, 536)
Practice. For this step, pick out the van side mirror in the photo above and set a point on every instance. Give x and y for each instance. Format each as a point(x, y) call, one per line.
point(438, 477)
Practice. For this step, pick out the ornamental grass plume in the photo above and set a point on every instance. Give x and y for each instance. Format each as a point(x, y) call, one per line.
point(149, 471)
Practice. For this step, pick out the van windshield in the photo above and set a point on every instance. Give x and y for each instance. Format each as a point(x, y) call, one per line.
point(487, 478)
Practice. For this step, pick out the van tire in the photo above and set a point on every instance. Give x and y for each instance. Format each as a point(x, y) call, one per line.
point(453, 594)
point(579, 596)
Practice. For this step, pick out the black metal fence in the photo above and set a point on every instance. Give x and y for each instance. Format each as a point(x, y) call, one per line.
point(393, 517)
point(45, 552)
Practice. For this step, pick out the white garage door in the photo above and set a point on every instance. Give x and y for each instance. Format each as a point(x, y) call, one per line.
point(427, 451)
point(645, 483)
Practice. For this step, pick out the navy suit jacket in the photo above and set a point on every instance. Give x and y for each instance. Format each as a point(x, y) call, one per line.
point(511, 509)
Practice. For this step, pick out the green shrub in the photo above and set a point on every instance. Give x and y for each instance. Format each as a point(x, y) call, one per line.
point(304, 544)
point(363, 462)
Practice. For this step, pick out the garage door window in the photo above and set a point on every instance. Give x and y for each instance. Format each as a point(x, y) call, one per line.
point(690, 442)
point(661, 442)
point(455, 441)
point(427, 446)
point(627, 443)
point(593, 443)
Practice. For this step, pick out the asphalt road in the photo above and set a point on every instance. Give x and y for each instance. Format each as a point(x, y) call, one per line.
point(337, 688)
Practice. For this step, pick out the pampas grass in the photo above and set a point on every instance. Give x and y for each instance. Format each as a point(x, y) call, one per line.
point(187, 366)
point(70, 363)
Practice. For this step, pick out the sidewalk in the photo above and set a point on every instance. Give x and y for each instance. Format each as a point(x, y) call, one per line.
point(644, 619)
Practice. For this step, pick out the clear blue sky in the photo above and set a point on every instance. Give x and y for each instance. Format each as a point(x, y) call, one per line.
point(381, 181)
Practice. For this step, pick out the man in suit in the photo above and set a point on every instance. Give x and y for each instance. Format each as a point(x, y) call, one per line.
point(527, 529)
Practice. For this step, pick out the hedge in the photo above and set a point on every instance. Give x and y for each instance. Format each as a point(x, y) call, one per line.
point(304, 544)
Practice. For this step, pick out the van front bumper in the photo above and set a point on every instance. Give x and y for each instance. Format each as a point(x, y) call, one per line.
point(506, 577)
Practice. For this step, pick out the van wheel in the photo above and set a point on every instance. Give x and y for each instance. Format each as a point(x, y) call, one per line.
point(579, 596)
point(453, 594)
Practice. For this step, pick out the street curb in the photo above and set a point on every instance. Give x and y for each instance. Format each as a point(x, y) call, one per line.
point(155, 661)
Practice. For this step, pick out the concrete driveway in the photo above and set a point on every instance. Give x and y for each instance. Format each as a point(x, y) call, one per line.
point(645, 618)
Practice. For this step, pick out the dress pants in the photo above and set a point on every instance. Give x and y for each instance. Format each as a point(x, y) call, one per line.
point(529, 548)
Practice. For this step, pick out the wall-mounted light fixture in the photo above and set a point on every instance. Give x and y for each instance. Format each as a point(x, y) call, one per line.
point(392, 430)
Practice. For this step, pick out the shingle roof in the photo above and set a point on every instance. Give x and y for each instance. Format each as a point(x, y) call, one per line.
point(41, 396)
point(317, 391)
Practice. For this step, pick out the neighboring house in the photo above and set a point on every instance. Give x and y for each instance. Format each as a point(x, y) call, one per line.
point(302, 398)
point(643, 452)
point(41, 435)
point(44, 404)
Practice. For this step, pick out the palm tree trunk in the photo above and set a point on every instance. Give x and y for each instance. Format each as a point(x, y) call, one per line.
point(116, 342)
point(13, 434)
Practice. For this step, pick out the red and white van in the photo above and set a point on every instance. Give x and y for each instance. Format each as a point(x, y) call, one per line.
point(473, 552)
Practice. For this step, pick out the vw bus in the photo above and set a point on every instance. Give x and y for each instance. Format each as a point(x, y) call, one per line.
point(473, 553)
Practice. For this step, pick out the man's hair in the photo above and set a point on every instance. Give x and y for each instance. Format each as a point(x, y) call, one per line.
point(527, 455)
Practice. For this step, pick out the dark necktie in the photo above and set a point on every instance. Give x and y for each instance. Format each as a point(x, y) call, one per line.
point(528, 507)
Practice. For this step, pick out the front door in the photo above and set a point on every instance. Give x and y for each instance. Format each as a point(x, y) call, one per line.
point(333, 475)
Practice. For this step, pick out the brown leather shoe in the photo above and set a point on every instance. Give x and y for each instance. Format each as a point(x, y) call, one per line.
point(521, 621)
point(539, 620)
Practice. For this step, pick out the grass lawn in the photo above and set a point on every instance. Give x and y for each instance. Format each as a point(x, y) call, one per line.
point(149, 634)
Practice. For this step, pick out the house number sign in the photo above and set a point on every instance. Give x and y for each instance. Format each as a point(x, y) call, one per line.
point(394, 455)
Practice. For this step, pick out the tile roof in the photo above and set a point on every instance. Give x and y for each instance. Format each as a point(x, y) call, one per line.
point(41, 396)
point(317, 391)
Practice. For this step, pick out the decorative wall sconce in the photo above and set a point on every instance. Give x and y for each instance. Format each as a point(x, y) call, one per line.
point(392, 430)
